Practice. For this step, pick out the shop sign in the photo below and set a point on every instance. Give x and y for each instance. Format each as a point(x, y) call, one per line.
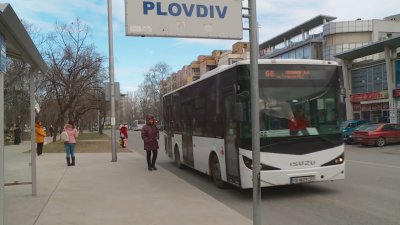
point(365, 107)
point(356, 107)
point(396, 93)
point(371, 107)
point(376, 106)
point(368, 96)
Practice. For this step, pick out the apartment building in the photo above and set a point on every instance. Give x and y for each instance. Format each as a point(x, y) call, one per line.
point(240, 51)
point(205, 63)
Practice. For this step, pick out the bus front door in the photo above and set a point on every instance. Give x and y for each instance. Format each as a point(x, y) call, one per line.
point(187, 141)
point(231, 148)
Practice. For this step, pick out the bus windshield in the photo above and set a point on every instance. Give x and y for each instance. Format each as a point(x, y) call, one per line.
point(297, 111)
point(296, 102)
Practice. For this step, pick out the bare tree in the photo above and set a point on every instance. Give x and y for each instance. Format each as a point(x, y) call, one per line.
point(155, 83)
point(75, 73)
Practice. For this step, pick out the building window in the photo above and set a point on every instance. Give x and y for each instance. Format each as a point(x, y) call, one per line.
point(292, 54)
point(299, 53)
point(371, 79)
point(307, 52)
point(196, 70)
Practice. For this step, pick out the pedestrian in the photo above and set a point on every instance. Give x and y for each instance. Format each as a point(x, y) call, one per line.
point(17, 135)
point(51, 130)
point(123, 133)
point(40, 134)
point(70, 144)
point(150, 135)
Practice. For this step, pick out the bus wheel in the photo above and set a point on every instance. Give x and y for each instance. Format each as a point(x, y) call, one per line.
point(380, 142)
point(216, 172)
point(178, 159)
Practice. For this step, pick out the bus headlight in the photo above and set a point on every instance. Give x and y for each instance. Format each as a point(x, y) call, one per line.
point(249, 164)
point(336, 161)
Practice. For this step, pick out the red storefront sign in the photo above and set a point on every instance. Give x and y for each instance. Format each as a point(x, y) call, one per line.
point(368, 96)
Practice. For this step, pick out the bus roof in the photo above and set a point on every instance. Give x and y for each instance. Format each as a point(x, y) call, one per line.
point(223, 68)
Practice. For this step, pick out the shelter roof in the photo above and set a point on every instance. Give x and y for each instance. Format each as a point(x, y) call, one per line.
point(18, 42)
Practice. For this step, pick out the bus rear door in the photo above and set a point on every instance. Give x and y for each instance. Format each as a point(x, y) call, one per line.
point(187, 140)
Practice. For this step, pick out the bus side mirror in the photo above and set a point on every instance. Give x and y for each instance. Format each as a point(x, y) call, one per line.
point(238, 113)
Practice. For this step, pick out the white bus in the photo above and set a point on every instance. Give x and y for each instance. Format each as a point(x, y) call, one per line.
point(208, 123)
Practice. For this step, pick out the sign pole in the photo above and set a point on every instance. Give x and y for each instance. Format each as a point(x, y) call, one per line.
point(2, 179)
point(112, 89)
point(255, 128)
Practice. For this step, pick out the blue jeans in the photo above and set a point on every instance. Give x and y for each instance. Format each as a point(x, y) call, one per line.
point(70, 149)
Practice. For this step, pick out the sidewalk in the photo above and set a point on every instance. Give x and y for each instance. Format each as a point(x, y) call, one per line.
point(97, 191)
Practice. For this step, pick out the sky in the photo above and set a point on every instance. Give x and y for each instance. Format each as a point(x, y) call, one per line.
point(134, 56)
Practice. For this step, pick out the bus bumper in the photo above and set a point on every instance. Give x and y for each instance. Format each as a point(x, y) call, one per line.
point(288, 177)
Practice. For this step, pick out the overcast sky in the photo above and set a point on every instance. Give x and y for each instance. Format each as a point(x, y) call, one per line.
point(135, 55)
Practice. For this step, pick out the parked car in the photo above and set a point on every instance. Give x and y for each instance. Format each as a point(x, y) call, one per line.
point(378, 134)
point(348, 127)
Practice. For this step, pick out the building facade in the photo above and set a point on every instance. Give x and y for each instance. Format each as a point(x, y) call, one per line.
point(369, 89)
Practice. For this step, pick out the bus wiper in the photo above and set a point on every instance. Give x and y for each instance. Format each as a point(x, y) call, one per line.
point(276, 143)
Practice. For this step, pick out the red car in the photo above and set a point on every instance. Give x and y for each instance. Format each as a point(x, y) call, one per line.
point(378, 134)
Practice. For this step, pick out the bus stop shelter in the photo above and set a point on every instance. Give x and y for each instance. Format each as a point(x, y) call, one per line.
point(15, 42)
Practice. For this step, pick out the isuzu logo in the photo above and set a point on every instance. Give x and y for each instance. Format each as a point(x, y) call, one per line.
point(302, 163)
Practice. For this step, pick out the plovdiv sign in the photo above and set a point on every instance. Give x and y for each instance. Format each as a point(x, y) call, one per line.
point(220, 19)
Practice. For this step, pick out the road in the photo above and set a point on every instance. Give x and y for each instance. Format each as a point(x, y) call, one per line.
point(370, 194)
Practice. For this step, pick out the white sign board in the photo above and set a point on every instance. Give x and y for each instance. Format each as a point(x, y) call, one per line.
point(220, 19)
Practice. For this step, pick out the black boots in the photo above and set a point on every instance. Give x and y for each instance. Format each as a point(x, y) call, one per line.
point(69, 161)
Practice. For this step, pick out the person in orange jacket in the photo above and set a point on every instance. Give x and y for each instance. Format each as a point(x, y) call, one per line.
point(40, 134)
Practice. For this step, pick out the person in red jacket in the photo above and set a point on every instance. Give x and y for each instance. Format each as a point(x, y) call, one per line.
point(298, 123)
point(150, 135)
point(123, 133)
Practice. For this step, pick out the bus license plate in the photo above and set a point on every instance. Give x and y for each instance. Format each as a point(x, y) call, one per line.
point(303, 179)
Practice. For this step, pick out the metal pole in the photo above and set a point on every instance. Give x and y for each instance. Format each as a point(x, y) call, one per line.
point(1, 148)
point(112, 88)
point(33, 133)
point(255, 127)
